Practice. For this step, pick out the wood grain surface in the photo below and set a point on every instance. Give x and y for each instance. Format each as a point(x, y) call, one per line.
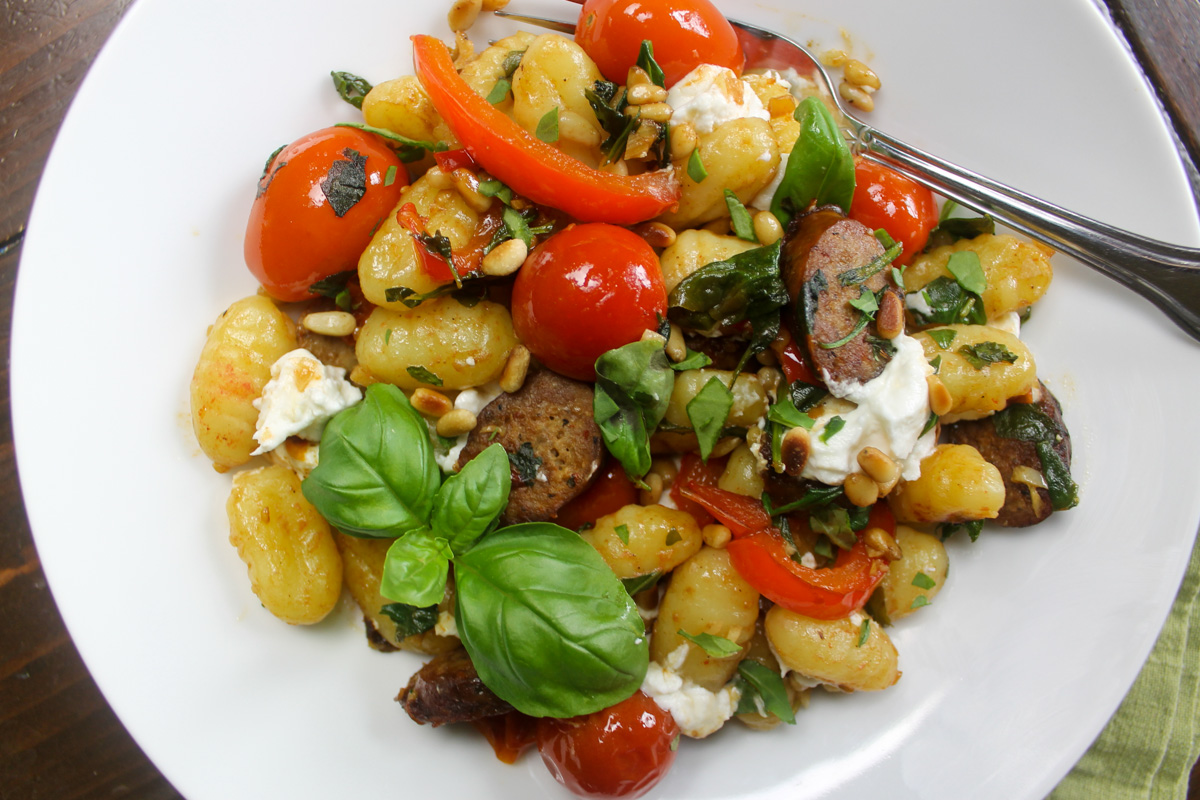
point(58, 737)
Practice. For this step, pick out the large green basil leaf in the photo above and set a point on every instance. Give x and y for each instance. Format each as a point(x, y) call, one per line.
point(820, 169)
point(472, 498)
point(708, 411)
point(376, 475)
point(547, 624)
point(416, 569)
point(745, 287)
point(633, 388)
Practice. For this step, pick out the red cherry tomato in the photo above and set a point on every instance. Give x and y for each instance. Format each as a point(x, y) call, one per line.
point(610, 492)
point(886, 199)
point(685, 33)
point(622, 751)
point(584, 291)
point(317, 205)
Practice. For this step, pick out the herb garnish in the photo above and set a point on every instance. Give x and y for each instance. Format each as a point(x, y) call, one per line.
point(762, 685)
point(739, 217)
point(346, 181)
point(633, 389)
point(525, 463)
point(715, 646)
point(646, 61)
point(410, 620)
point(984, 353)
point(547, 127)
point(820, 169)
point(708, 411)
point(695, 167)
point(350, 87)
point(1028, 423)
point(423, 375)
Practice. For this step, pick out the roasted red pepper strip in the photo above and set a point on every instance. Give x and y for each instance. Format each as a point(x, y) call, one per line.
point(531, 167)
point(742, 515)
point(450, 160)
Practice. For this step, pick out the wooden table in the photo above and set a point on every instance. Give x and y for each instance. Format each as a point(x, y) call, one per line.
point(58, 737)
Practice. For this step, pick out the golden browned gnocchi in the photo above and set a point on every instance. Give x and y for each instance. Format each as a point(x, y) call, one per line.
point(913, 580)
point(956, 485)
point(982, 367)
point(1018, 272)
point(834, 652)
point(640, 540)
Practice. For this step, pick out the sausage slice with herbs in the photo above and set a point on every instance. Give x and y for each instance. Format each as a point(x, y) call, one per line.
point(838, 277)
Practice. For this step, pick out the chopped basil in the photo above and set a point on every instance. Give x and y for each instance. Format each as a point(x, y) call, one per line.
point(948, 303)
point(942, 336)
point(333, 285)
point(923, 581)
point(622, 532)
point(633, 389)
point(806, 395)
point(708, 411)
point(389, 177)
point(1026, 422)
point(640, 583)
point(525, 463)
point(834, 522)
point(695, 167)
point(350, 87)
point(673, 537)
point(950, 230)
point(692, 360)
point(345, 182)
point(739, 217)
point(820, 169)
point(608, 103)
point(410, 149)
point(832, 427)
point(499, 91)
point(866, 302)
point(823, 547)
point(931, 422)
point(898, 277)
point(973, 529)
point(410, 620)
point(875, 265)
point(511, 62)
point(494, 188)
point(815, 495)
point(646, 61)
point(766, 685)
point(423, 375)
point(864, 632)
point(547, 127)
point(785, 413)
point(936, 363)
point(967, 270)
point(715, 646)
point(984, 353)
point(919, 600)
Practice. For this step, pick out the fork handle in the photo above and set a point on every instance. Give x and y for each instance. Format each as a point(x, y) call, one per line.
point(1167, 275)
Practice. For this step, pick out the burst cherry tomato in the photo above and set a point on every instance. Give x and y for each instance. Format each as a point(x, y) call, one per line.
point(622, 751)
point(610, 492)
point(584, 291)
point(685, 33)
point(318, 202)
point(886, 199)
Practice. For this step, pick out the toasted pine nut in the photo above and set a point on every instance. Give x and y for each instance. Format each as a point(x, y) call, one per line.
point(684, 140)
point(574, 127)
point(879, 465)
point(505, 259)
point(653, 491)
point(725, 446)
point(767, 358)
point(664, 468)
point(834, 58)
point(362, 376)
point(658, 112)
point(783, 105)
point(463, 13)
point(636, 77)
point(716, 535)
point(330, 323)
point(859, 74)
point(889, 320)
point(656, 234)
point(676, 347)
point(515, 369)
point(794, 449)
point(456, 423)
point(767, 228)
point(645, 93)
point(494, 5)
point(431, 402)
point(439, 180)
point(881, 543)
point(940, 401)
point(468, 186)
point(649, 335)
point(856, 96)
point(771, 379)
point(860, 490)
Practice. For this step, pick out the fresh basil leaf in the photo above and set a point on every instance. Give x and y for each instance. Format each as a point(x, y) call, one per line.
point(633, 388)
point(769, 686)
point(499, 91)
point(923, 581)
point(376, 474)
point(984, 353)
point(410, 620)
point(695, 167)
point(832, 427)
point(708, 411)
point(949, 303)
point(816, 495)
point(693, 360)
point(547, 624)
point(622, 532)
point(942, 336)
point(345, 182)
point(419, 373)
point(472, 498)
point(350, 87)
point(966, 269)
point(416, 568)
point(820, 169)
point(640, 583)
point(739, 218)
point(547, 127)
point(834, 522)
point(525, 463)
point(785, 413)
point(646, 61)
point(866, 302)
point(333, 285)
point(715, 646)
point(864, 632)
point(744, 288)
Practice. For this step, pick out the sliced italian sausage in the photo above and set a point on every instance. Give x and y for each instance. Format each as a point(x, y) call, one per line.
point(550, 433)
point(1024, 504)
point(448, 689)
point(825, 265)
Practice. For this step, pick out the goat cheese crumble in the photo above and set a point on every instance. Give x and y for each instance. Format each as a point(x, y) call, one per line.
point(301, 397)
point(472, 400)
point(709, 96)
point(697, 711)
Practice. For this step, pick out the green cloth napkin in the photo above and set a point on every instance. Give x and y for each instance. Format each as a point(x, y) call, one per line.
point(1147, 750)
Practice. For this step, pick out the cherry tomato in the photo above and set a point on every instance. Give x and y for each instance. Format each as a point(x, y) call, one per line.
point(318, 202)
point(622, 751)
point(610, 492)
point(685, 33)
point(886, 199)
point(584, 291)
point(508, 734)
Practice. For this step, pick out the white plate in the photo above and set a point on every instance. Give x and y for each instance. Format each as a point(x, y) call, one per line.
point(135, 246)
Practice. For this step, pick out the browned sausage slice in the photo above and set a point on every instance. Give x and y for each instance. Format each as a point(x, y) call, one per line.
point(823, 257)
point(550, 433)
point(1020, 509)
point(448, 689)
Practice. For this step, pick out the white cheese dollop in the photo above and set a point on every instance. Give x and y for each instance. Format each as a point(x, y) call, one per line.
point(918, 302)
point(710, 95)
point(697, 711)
point(446, 625)
point(762, 200)
point(302, 395)
point(472, 400)
point(888, 412)
point(1009, 322)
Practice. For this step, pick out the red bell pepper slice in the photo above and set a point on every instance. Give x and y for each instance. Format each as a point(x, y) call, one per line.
point(450, 160)
point(531, 167)
point(742, 515)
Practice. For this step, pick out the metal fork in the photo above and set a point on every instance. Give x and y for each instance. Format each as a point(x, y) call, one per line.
point(1167, 275)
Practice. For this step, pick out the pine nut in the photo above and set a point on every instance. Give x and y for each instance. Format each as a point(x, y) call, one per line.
point(645, 93)
point(656, 234)
point(665, 468)
point(362, 376)
point(889, 320)
point(653, 491)
point(767, 228)
point(574, 127)
point(649, 335)
point(656, 112)
point(431, 402)
point(725, 446)
point(676, 347)
point(439, 180)
point(860, 490)
point(636, 77)
point(515, 370)
point(940, 400)
point(794, 449)
point(856, 96)
point(767, 358)
point(463, 14)
point(716, 535)
point(771, 379)
point(881, 543)
point(879, 465)
point(859, 74)
point(834, 58)
point(455, 423)
point(684, 140)
point(505, 259)
point(330, 323)
point(783, 105)
point(468, 186)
